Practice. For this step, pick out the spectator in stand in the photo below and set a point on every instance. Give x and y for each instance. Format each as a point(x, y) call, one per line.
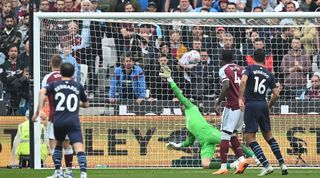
point(228, 44)
point(24, 58)
point(296, 66)
point(281, 7)
point(305, 5)
point(118, 5)
point(266, 5)
point(60, 5)
point(308, 35)
point(220, 31)
point(44, 6)
point(23, 8)
point(258, 44)
point(251, 35)
point(198, 33)
point(314, 5)
point(280, 46)
point(6, 10)
point(165, 49)
point(290, 7)
point(205, 75)
point(206, 4)
point(9, 35)
point(159, 88)
point(70, 6)
point(24, 30)
point(257, 9)
point(185, 6)
point(152, 7)
point(313, 92)
point(175, 42)
point(155, 6)
point(196, 44)
point(128, 7)
point(94, 6)
point(9, 72)
point(127, 82)
point(221, 5)
point(15, 8)
point(172, 4)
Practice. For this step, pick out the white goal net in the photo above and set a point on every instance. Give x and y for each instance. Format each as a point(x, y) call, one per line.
point(120, 130)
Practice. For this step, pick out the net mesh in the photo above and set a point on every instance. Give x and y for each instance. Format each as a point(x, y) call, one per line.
point(123, 133)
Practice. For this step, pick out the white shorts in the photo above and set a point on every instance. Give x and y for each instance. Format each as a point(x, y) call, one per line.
point(50, 132)
point(232, 120)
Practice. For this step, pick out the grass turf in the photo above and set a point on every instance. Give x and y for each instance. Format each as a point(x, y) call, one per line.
point(154, 173)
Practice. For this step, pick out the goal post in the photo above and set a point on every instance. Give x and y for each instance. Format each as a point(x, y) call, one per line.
point(126, 134)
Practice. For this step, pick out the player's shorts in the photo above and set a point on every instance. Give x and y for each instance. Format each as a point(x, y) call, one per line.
point(73, 131)
point(232, 120)
point(256, 114)
point(50, 132)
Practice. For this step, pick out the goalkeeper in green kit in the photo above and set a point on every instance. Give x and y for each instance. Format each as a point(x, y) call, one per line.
point(198, 128)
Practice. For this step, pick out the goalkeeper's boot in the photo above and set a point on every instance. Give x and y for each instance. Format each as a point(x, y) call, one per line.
point(221, 171)
point(284, 169)
point(83, 175)
point(242, 167)
point(68, 173)
point(57, 174)
point(266, 171)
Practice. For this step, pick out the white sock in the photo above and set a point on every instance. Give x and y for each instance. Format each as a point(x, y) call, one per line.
point(223, 166)
point(241, 159)
point(234, 164)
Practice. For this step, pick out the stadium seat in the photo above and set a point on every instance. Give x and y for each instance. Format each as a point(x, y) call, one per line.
point(109, 52)
point(83, 73)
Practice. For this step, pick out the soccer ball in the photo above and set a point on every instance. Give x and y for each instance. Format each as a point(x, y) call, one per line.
point(193, 57)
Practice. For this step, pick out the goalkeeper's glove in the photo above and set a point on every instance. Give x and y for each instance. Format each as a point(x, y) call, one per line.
point(173, 146)
point(165, 72)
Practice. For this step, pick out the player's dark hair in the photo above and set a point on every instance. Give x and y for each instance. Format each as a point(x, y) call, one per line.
point(66, 69)
point(227, 56)
point(56, 60)
point(259, 55)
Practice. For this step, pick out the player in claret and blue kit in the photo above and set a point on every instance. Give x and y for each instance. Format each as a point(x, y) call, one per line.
point(255, 81)
point(68, 96)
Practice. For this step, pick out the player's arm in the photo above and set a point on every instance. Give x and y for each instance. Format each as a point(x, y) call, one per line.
point(275, 93)
point(223, 94)
point(188, 142)
point(242, 88)
point(166, 73)
point(42, 98)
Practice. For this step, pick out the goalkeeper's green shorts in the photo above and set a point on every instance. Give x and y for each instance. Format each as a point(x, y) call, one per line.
point(207, 150)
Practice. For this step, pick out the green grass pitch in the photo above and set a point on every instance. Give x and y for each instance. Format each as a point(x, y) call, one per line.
point(155, 173)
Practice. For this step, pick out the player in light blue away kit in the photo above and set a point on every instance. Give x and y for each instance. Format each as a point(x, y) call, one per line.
point(255, 81)
point(68, 97)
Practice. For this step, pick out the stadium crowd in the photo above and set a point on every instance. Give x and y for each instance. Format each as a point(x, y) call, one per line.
point(293, 50)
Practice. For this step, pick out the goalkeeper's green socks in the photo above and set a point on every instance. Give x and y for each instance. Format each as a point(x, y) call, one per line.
point(217, 165)
point(247, 151)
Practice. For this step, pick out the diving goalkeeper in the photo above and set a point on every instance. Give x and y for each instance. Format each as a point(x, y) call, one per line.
point(200, 129)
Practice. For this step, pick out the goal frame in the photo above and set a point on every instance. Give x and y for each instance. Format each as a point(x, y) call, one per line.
point(140, 15)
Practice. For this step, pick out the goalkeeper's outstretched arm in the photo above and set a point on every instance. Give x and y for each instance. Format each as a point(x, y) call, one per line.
point(166, 73)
